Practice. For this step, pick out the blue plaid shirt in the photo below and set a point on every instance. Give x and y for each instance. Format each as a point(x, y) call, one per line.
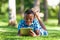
point(35, 25)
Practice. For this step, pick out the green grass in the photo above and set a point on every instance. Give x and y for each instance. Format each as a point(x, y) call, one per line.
point(52, 23)
point(10, 32)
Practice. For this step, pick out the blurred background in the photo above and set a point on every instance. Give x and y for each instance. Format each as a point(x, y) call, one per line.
point(11, 12)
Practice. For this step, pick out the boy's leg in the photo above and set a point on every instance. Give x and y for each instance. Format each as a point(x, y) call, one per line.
point(43, 32)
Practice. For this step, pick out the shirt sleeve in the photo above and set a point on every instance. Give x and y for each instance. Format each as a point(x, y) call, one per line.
point(20, 24)
point(37, 25)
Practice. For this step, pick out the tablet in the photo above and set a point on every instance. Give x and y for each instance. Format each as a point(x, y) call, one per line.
point(25, 31)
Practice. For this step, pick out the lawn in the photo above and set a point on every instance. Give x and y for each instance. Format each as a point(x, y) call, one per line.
point(10, 32)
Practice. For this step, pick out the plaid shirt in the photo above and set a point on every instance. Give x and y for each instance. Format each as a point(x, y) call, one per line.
point(35, 25)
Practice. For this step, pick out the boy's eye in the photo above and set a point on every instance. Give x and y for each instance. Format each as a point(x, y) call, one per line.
point(28, 19)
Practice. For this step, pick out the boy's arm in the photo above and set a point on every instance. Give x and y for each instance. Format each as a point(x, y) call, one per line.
point(40, 21)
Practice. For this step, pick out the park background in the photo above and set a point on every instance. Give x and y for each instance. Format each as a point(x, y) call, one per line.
point(50, 15)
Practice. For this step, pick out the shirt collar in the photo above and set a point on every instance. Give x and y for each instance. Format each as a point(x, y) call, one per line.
point(30, 25)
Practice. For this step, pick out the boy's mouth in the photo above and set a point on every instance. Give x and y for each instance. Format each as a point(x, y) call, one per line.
point(28, 23)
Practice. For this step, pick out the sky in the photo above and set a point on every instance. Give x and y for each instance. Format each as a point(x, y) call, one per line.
point(53, 2)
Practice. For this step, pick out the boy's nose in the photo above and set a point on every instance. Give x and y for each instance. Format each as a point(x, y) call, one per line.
point(28, 20)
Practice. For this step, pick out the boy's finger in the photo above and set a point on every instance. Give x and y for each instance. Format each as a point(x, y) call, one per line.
point(32, 33)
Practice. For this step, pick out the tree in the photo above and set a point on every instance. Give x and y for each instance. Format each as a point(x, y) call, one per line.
point(22, 7)
point(45, 11)
point(59, 15)
point(12, 12)
point(37, 5)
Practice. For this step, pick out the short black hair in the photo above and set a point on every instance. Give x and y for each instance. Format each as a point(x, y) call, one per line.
point(29, 11)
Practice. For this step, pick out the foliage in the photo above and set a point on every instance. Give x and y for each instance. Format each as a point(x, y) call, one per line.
point(52, 12)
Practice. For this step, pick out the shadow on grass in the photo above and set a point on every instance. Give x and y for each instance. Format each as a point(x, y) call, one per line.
point(8, 33)
point(12, 34)
point(54, 33)
point(8, 27)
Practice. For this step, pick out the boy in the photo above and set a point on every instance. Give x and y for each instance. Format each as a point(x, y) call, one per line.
point(30, 21)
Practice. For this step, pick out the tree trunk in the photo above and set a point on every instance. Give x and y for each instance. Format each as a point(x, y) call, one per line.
point(45, 11)
point(36, 6)
point(12, 12)
point(22, 8)
point(59, 15)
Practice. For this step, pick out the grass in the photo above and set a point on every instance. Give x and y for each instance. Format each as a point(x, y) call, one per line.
point(10, 32)
point(52, 23)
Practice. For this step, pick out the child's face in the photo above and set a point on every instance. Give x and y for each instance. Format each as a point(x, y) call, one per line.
point(29, 18)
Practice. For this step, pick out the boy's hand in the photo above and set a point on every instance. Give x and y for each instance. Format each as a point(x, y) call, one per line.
point(36, 13)
point(32, 33)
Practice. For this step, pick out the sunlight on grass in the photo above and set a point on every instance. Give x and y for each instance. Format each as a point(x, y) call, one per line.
point(2, 30)
point(11, 34)
point(53, 28)
point(28, 38)
point(8, 30)
point(3, 23)
point(52, 23)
